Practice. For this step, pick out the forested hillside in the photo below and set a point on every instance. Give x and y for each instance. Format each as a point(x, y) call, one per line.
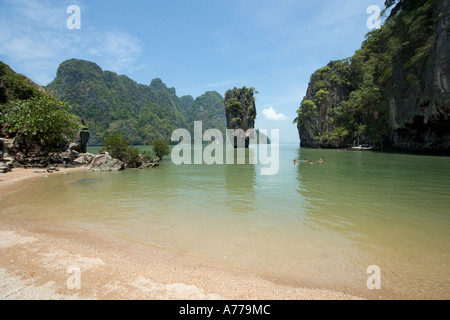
point(115, 104)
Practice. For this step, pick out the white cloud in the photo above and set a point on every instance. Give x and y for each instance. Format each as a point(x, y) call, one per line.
point(120, 50)
point(271, 114)
point(219, 84)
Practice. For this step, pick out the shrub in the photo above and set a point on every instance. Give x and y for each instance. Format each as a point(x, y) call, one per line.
point(160, 148)
point(117, 146)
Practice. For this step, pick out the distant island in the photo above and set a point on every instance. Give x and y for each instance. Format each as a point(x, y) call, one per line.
point(392, 93)
point(115, 104)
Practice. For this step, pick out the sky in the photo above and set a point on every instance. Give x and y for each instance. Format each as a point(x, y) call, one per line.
point(194, 46)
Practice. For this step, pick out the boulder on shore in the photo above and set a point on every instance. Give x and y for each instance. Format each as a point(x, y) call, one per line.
point(104, 162)
point(4, 167)
point(83, 159)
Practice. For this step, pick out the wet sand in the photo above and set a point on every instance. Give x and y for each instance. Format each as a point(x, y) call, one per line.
point(49, 263)
point(18, 178)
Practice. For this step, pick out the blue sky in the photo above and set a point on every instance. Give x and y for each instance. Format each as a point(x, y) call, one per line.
point(192, 45)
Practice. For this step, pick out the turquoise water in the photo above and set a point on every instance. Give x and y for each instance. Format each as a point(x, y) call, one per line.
point(316, 225)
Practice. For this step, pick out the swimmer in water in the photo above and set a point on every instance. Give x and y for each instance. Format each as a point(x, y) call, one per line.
point(312, 162)
point(321, 161)
point(295, 162)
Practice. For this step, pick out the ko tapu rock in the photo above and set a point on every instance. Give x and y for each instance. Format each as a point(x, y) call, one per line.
point(241, 113)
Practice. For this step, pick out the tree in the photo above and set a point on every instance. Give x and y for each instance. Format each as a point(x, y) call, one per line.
point(307, 109)
point(117, 146)
point(41, 120)
point(132, 157)
point(160, 148)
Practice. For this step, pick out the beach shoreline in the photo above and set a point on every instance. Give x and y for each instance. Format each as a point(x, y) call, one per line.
point(50, 263)
point(18, 178)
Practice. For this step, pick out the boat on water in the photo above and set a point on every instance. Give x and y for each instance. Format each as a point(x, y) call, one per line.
point(363, 147)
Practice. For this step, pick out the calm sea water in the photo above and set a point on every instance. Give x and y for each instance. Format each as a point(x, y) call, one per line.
point(317, 225)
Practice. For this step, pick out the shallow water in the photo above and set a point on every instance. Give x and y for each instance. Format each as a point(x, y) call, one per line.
point(316, 225)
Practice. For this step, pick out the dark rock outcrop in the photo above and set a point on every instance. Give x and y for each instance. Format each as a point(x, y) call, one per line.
point(420, 119)
point(81, 143)
point(240, 111)
point(37, 154)
point(150, 164)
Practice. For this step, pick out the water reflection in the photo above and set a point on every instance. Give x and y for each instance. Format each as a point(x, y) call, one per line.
point(240, 182)
point(390, 210)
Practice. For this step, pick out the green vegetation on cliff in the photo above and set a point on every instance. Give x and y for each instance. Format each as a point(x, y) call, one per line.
point(240, 108)
point(208, 108)
point(348, 100)
point(113, 104)
point(15, 86)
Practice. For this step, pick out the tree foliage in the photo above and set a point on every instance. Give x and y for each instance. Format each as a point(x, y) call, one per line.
point(14, 86)
point(117, 146)
point(160, 148)
point(41, 119)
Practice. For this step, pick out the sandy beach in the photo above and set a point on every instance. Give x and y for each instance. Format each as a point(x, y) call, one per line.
point(49, 263)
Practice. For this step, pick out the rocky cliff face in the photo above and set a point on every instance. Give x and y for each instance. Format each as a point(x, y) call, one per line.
point(240, 111)
point(394, 92)
point(420, 119)
point(316, 124)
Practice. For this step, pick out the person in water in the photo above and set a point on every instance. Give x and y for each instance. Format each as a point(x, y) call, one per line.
point(321, 161)
point(295, 162)
point(305, 161)
point(312, 162)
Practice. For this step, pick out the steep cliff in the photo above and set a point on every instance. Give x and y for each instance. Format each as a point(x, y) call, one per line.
point(319, 120)
point(419, 104)
point(240, 110)
point(393, 92)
